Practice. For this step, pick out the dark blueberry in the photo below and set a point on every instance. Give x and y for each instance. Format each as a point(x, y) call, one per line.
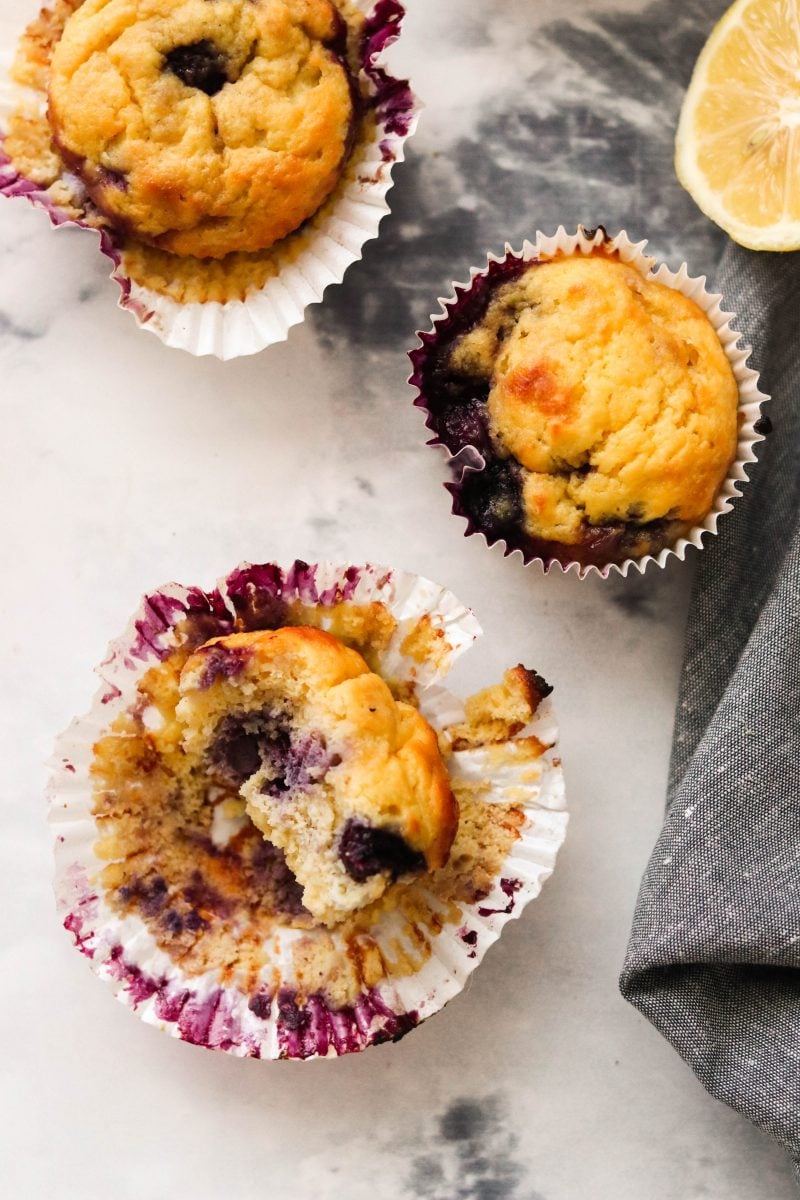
point(246, 741)
point(602, 543)
point(493, 497)
point(465, 425)
point(763, 426)
point(173, 922)
point(367, 850)
point(290, 1015)
point(200, 65)
point(260, 1005)
point(242, 755)
point(451, 389)
point(259, 610)
point(201, 627)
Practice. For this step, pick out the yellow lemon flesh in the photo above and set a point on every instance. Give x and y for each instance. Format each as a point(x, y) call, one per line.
point(738, 142)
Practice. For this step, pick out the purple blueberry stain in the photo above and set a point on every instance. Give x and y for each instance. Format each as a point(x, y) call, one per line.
point(509, 887)
point(203, 614)
point(196, 1018)
point(314, 1026)
point(366, 850)
point(394, 101)
point(169, 1005)
point(306, 763)
point(221, 662)
point(159, 614)
point(13, 184)
point(343, 590)
point(301, 581)
point(173, 922)
point(74, 923)
point(470, 938)
point(256, 594)
point(200, 894)
point(148, 894)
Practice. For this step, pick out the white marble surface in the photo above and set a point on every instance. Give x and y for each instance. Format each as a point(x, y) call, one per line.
point(126, 465)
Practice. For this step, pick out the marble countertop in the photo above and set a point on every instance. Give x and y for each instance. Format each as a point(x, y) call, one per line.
point(126, 465)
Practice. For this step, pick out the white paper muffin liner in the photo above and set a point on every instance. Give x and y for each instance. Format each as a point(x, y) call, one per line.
point(469, 459)
point(334, 238)
point(269, 1023)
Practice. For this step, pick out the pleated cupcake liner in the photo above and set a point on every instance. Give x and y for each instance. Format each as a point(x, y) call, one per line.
point(466, 304)
point(335, 237)
point(278, 1019)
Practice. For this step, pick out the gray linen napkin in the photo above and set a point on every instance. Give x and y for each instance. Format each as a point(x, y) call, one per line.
point(714, 954)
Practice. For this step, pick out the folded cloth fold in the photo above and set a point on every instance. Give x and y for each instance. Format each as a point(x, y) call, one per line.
point(714, 954)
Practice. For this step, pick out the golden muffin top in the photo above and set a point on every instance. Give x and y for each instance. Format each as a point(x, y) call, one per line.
point(612, 391)
point(204, 128)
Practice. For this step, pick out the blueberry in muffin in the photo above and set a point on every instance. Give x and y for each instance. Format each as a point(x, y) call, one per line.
point(204, 127)
point(601, 402)
point(344, 779)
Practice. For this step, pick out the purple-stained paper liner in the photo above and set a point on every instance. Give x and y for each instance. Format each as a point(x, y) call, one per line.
point(466, 305)
point(239, 328)
point(269, 1023)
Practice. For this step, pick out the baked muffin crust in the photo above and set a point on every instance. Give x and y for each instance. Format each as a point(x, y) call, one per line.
point(203, 128)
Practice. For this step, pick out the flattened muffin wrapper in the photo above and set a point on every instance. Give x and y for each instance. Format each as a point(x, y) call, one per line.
point(280, 1017)
point(333, 239)
point(584, 241)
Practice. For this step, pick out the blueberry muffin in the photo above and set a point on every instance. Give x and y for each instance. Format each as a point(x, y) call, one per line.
point(345, 780)
point(213, 143)
point(277, 834)
point(204, 128)
point(601, 402)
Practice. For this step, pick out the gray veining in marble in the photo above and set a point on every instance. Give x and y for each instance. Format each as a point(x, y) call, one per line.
point(125, 465)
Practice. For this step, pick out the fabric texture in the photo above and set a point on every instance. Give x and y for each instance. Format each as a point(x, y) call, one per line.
point(714, 954)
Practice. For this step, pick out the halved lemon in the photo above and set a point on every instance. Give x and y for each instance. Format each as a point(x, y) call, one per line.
point(738, 144)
